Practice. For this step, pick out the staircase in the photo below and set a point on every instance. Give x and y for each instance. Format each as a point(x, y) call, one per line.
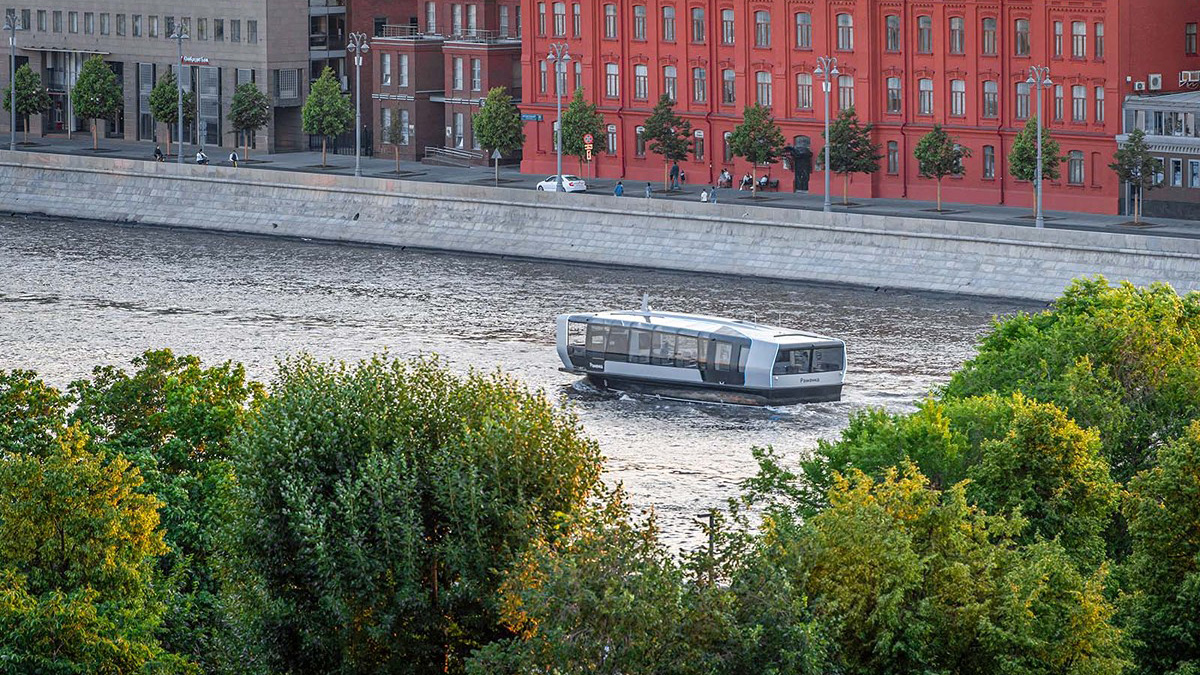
point(453, 157)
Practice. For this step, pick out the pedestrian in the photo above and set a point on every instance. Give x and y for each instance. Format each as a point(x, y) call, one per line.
point(704, 196)
point(682, 177)
point(647, 190)
point(674, 175)
point(233, 158)
point(158, 154)
point(201, 158)
point(712, 195)
point(619, 189)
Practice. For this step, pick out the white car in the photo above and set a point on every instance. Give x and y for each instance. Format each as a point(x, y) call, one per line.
point(570, 184)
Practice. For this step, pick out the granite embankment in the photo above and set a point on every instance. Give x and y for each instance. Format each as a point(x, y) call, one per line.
point(728, 238)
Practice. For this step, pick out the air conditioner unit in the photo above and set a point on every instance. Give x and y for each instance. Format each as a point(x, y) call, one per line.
point(1139, 86)
point(1154, 81)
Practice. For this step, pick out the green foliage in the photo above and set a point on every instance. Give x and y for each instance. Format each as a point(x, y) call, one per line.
point(938, 155)
point(757, 138)
point(383, 502)
point(850, 148)
point(249, 111)
point(1134, 164)
point(164, 102)
point(32, 97)
point(327, 111)
point(32, 415)
point(666, 133)
point(498, 125)
point(581, 117)
point(1163, 608)
point(1120, 359)
point(1022, 158)
point(97, 94)
point(176, 421)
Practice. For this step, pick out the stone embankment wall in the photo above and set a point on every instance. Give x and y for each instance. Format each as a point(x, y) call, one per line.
point(728, 238)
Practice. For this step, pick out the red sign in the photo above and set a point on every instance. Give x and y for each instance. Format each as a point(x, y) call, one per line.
point(587, 138)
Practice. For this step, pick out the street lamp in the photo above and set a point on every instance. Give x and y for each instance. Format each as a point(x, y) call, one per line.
point(1039, 77)
point(559, 57)
point(826, 70)
point(10, 25)
point(179, 36)
point(358, 46)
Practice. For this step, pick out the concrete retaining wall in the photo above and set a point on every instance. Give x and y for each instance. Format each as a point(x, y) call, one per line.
point(729, 238)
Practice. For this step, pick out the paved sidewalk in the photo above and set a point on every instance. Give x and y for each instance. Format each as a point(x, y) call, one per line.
point(510, 176)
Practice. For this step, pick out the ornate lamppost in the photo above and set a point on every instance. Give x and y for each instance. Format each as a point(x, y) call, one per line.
point(826, 70)
point(358, 46)
point(559, 57)
point(1039, 77)
point(179, 36)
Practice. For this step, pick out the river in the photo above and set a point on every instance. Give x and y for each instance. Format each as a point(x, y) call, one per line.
point(77, 294)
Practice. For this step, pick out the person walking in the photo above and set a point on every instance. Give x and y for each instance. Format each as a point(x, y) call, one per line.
point(674, 175)
point(619, 190)
point(712, 195)
point(647, 190)
point(704, 196)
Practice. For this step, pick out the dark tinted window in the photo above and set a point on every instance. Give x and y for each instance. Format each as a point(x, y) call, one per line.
point(792, 361)
point(618, 344)
point(662, 353)
point(687, 352)
point(722, 355)
point(639, 346)
point(826, 359)
point(597, 335)
point(576, 333)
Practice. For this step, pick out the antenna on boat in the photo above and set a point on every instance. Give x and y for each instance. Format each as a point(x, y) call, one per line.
point(645, 303)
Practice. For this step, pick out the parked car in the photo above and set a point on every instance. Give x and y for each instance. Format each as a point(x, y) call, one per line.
point(570, 184)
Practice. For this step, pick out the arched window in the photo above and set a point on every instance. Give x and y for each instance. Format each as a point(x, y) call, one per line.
point(925, 96)
point(641, 82)
point(845, 85)
point(894, 95)
point(612, 80)
point(1075, 167)
point(670, 83)
point(1078, 103)
point(958, 37)
point(1021, 44)
point(762, 82)
point(803, 30)
point(762, 29)
point(958, 97)
point(698, 29)
point(892, 33)
point(988, 45)
point(610, 22)
point(560, 19)
point(845, 32)
point(804, 91)
point(668, 24)
point(639, 22)
point(1079, 40)
point(924, 35)
point(991, 99)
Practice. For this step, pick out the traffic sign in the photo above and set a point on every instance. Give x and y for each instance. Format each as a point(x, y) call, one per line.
point(531, 117)
point(587, 139)
point(589, 153)
point(587, 146)
point(495, 154)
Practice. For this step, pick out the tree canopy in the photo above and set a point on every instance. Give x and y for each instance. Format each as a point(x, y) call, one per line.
point(850, 149)
point(249, 112)
point(757, 139)
point(164, 104)
point(498, 125)
point(1134, 165)
point(666, 133)
point(1022, 158)
point(97, 94)
point(32, 97)
point(327, 111)
point(582, 117)
point(938, 155)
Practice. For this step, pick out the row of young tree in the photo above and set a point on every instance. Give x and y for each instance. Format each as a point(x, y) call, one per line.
point(392, 517)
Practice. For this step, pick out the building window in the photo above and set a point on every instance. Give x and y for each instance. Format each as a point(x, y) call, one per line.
point(639, 142)
point(893, 95)
point(73, 23)
point(989, 37)
point(89, 23)
point(1176, 172)
point(611, 146)
point(728, 92)
point(668, 24)
point(1189, 40)
point(402, 80)
point(169, 26)
point(541, 10)
point(699, 85)
point(1079, 103)
point(1098, 33)
point(457, 73)
point(958, 98)
point(252, 32)
point(891, 33)
point(803, 30)
point(989, 162)
point(958, 35)
point(924, 96)
point(431, 18)
point(105, 26)
point(477, 74)
point(845, 32)
point(1022, 101)
point(505, 25)
point(804, 91)
point(698, 145)
point(1058, 102)
point(610, 22)
point(136, 24)
point(762, 29)
point(41, 20)
point(458, 130)
point(762, 82)
point(1194, 173)
point(727, 27)
point(578, 74)
point(201, 28)
point(560, 19)
point(153, 28)
point(58, 21)
point(218, 29)
point(1021, 45)
point(670, 83)
point(639, 22)
point(893, 157)
point(120, 22)
point(698, 25)
point(542, 70)
point(576, 20)
point(924, 35)
point(1078, 40)
point(612, 80)
point(235, 30)
point(405, 126)
point(727, 146)
point(641, 82)
point(1075, 167)
point(991, 99)
point(385, 70)
point(1099, 105)
point(287, 83)
point(845, 92)
point(456, 20)
point(1058, 39)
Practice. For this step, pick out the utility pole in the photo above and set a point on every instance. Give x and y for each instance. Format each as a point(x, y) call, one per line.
point(826, 70)
point(10, 25)
point(358, 46)
point(559, 57)
point(1039, 77)
point(179, 36)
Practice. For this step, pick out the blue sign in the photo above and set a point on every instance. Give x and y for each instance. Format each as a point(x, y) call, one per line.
point(531, 117)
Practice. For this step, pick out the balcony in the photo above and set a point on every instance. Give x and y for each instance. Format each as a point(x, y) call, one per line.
point(481, 36)
point(406, 32)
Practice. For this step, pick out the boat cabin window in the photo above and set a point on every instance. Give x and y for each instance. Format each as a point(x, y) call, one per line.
point(597, 336)
point(577, 333)
point(663, 351)
point(687, 352)
point(792, 361)
point(743, 354)
point(618, 344)
point(722, 355)
point(825, 359)
point(639, 346)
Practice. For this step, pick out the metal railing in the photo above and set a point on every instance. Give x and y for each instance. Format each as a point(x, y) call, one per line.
point(456, 155)
point(409, 31)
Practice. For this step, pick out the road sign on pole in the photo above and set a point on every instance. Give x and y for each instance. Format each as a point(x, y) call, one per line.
point(587, 139)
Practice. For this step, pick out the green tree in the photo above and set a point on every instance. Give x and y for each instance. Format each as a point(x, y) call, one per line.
point(851, 149)
point(1022, 158)
point(395, 134)
point(249, 112)
point(1121, 359)
point(939, 155)
point(498, 125)
point(327, 112)
point(1134, 165)
point(667, 134)
point(32, 97)
point(1163, 605)
point(579, 119)
point(97, 94)
point(176, 421)
point(164, 104)
point(383, 502)
point(757, 138)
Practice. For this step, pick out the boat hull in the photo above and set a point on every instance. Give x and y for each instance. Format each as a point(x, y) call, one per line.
point(715, 393)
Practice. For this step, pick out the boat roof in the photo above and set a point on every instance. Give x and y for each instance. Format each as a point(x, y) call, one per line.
point(710, 324)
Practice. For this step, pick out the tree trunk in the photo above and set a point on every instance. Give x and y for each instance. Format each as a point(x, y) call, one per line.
point(397, 149)
point(1137, 207)
point(667, 177)
point(168, 139)
point(845, 189)
point(754, 181)
point(26, 141)
point(322, 152)
point(95, 138)
point(939, 194)
point(246, 147)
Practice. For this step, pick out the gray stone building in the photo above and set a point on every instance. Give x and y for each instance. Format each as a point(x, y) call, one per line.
point(1172, 126)
point(229, 42)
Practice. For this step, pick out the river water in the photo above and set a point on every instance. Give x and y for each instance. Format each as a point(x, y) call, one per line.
point(77, 294)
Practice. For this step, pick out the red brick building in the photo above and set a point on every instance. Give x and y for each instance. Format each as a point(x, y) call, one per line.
point(905, 65)
point(430, 65)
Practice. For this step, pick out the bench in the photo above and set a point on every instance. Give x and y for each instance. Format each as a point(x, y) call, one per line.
point(771, 185)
